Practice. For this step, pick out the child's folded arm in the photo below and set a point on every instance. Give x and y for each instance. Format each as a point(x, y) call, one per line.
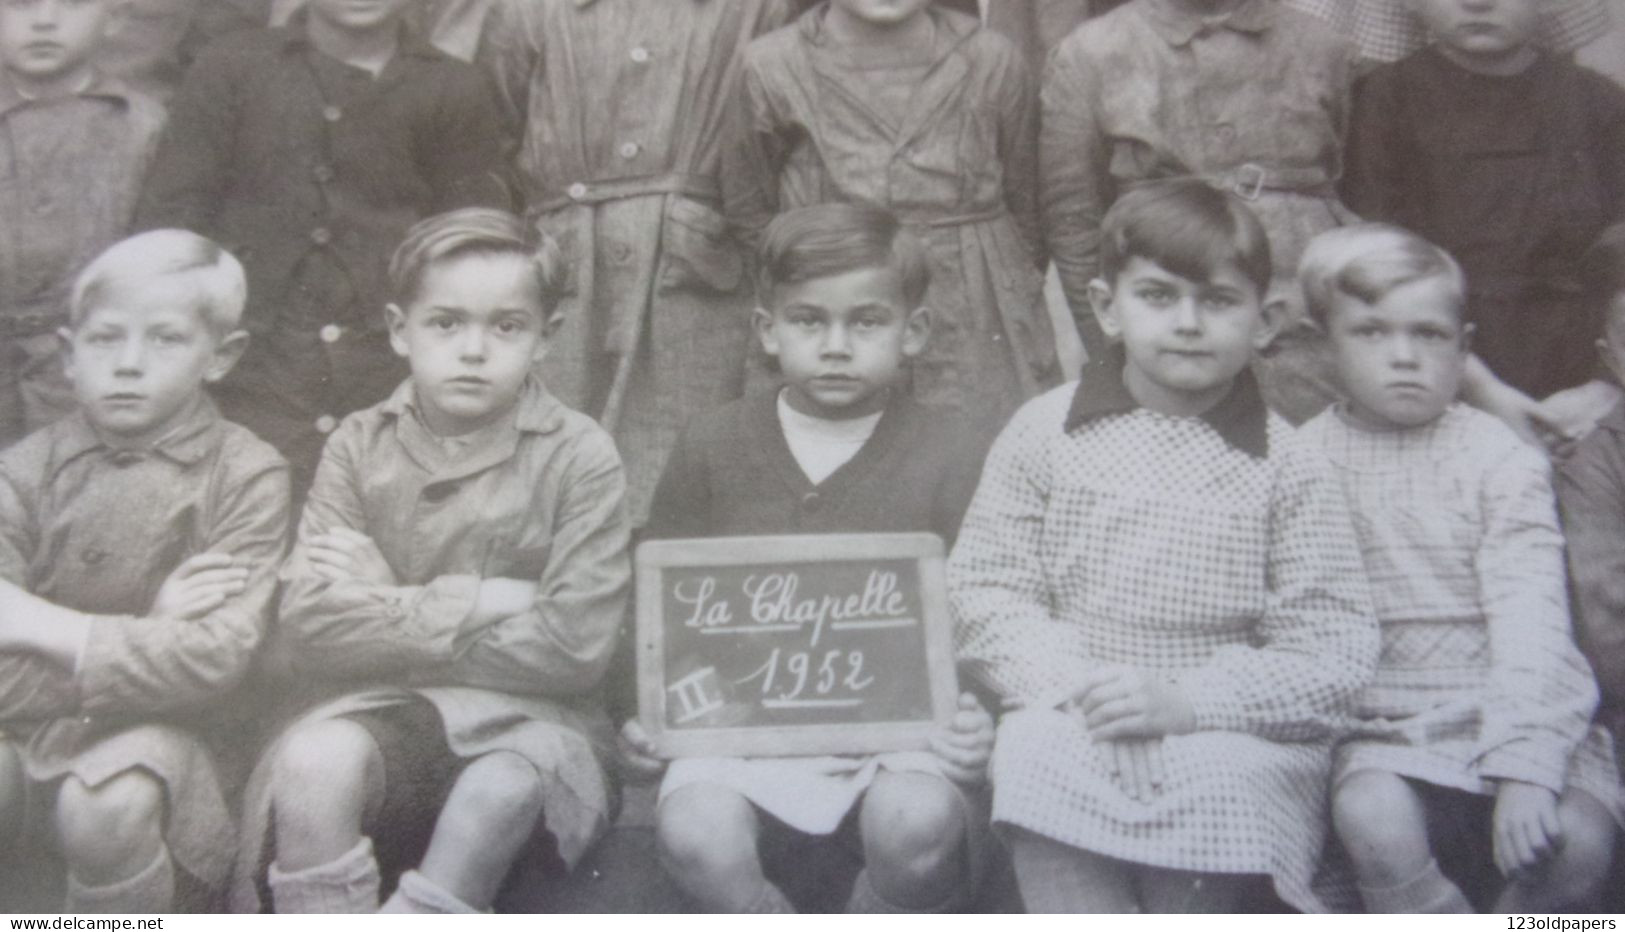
point(1316, 645)
point(136, 664)
point(1073, 155)
point(563, 644)
point(1591, 490)
point(357, 626)
point(1544, 695)
point(1006, 633)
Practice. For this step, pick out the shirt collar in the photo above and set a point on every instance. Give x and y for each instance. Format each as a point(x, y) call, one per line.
point(101, 85)
point(1240, 417)
point(187, 444)
point(1178, 26)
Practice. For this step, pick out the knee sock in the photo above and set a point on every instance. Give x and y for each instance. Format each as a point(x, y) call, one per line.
point(866, 899)
point(419, 894)
point(150, 890)
point(346, 884)
point(1430, 891)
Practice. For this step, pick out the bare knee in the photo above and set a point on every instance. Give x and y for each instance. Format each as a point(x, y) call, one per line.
point(112, 830)
point(913, 832)
point(705, 831)
point(321, 772)
point(1381, 822)
point(497, 794)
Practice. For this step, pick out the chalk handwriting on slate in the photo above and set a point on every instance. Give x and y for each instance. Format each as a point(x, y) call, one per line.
point(793, 645)
point(788, 679)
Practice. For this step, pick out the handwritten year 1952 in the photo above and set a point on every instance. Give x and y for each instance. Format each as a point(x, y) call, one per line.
point(798, 666)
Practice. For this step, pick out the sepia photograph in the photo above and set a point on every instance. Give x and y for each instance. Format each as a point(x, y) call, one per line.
point(834, 456)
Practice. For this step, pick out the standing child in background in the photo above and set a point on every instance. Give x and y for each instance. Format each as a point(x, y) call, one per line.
point(1591, 491)
point(621, 107)
point(1164, 590)
point(310, 149)
point(74, 145)
point(921, 110)
point(459, 575)
point(1474, 737)
point(1245, 93)
point(1511, 159)
point(841, 448)
point(139, 542)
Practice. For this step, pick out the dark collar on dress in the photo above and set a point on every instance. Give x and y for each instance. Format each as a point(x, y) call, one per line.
point(1240, 417)
point(101, 85)
point(1178, 26)
point(188, 443)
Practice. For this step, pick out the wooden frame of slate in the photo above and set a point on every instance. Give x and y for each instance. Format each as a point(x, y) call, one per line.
point(793, 645)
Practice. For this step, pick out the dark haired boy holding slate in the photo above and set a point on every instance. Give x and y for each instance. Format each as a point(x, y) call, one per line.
point(839, 449)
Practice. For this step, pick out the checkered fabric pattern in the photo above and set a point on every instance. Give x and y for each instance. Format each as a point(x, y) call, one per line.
point(1479, 676)
point(1384, 30)
point(1148, 540)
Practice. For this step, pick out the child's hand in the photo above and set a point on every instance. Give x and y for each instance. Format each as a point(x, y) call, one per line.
point(345, 553)
point(198, 586)
point(499, 598)
point(1527, 830)
point(1125, 702)
point(1137, 765)
point(964, 747)
point(639, 760)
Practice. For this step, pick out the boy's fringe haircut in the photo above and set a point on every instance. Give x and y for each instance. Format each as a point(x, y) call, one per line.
point(1188, 227)
point(480, 230)
point(832, 239)
point(130, 264)
point(1366, 261)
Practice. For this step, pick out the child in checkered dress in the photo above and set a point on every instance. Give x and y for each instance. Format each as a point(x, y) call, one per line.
point(1165, 591)
point(1475, 735)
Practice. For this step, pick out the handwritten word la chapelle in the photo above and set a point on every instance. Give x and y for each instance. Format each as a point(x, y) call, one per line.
point(773, 602)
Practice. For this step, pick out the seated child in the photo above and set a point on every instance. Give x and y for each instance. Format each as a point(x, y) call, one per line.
point(1163, 589)
point(1591, 492)
point(1473, 736)
point(76, 144)
point(842, 448)
point(139, 540)
point(1511, 159)
point(462, 560)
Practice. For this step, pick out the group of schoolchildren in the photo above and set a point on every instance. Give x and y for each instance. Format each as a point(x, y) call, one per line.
point(685, 268)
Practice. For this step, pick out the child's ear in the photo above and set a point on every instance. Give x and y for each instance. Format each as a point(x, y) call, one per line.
point(1271, 317)
point(1610, 360)
point(396, 318)
point(762, 321)
point(226, 354)
point(916, 332)
point(1100, 301)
